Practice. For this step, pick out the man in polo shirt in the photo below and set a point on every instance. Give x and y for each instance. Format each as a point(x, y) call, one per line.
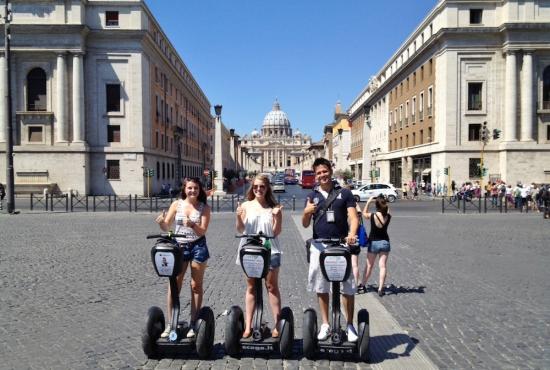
point(339, 221)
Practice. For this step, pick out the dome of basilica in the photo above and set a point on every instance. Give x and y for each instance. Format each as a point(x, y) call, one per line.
point(276, 119)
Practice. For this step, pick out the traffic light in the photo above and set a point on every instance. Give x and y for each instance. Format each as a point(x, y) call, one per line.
point(484, 171)
point(446, 171)
point(496, 133)
point(484, 133)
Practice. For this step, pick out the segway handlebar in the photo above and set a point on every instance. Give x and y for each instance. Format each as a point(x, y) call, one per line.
point(331, 240)
point(168, 235)
point(257, 236)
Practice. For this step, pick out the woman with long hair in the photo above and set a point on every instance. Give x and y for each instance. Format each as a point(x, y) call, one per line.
point(261, 213)
point(379, 240)
point(190, 216)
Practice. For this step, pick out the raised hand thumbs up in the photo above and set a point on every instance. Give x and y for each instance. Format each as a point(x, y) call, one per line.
point(277, 209)
point(240, 209)
point(161, 217)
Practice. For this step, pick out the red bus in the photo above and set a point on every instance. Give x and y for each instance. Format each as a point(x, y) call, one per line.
point(308, 179)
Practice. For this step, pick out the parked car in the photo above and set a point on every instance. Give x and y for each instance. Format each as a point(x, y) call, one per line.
point(278, 186)
point(373, 190)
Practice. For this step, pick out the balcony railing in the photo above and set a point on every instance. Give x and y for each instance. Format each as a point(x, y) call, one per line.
point(406, 121)
point(429, 111)
point(546, 104)
point(421, 115)
point(413, 118)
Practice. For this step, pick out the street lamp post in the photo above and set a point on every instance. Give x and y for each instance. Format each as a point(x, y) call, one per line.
point(340, 149)
point(10, 183)
point(218, 181)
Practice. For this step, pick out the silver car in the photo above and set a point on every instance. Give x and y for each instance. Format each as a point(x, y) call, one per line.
point(373, 190)
point(278, 186)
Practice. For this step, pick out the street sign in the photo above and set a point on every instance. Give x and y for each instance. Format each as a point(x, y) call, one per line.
point(206, 172)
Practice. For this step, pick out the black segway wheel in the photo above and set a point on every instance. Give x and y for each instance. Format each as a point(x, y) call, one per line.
point(152, 331)
point(309, 334)
point(286, 334)
point(206, 327)
point(364, 335)
point(234, 328)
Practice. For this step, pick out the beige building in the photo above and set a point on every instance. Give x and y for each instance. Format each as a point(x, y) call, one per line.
point(101, 99)
point(468, 64)
point(276, 146)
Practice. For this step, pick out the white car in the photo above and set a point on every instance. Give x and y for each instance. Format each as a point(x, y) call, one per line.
point(373, 190)
point(278, 185)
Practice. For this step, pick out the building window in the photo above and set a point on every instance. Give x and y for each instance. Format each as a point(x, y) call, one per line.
point(156, 139)
point(158, 170)
point(113, 134)
point(546, 88)
point(474, 131)
point(113, 170)
point(407, 140)
point(430, 138)
point(163, 170)
point(413, 110)
point(113, 97)
point(36, 90)
point(35, 134)
point(474, 95)
point(414, 139)
point(421, 136)
point(111, 18)
point(548, 132)
point(172, 170)
point(473, 169)
point(476, 16)
point(430, 101)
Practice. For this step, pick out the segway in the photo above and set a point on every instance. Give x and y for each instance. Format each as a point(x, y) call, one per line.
point(255, 258)
point(167, 259)
point(335, 262)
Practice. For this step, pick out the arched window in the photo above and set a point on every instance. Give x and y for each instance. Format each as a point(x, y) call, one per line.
point(546, 88)
point(36, 90)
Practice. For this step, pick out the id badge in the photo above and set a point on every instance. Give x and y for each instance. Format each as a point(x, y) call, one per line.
point(330, 217)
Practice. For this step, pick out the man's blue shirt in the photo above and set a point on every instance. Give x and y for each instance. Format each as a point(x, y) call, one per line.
point(339, 228)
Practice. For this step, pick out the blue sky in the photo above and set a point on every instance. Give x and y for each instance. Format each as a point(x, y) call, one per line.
point(307, 53)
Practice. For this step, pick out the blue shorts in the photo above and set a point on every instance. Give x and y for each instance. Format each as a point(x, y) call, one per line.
point(195, 252)
point(377, 246)
point(275, 261)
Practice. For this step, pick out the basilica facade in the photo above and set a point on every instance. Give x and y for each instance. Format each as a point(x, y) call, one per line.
point(276, 146)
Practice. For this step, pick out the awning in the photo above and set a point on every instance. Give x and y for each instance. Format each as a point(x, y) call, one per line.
point(426, 171)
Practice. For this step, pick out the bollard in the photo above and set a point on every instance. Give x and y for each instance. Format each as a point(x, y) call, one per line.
point(479, 203)
point(46, 203)
point(217, 203)
point(233, 203)
point(130, 203)
point(66, 202)
point(294, 202)
point(464, 206)
point(72, 206)
point(500, 205)
point(87, 208)
point(31, 202)
point(109, 198)
point(443, 205)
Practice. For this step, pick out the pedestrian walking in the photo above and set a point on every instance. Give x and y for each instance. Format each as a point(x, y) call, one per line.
point(261, 213)
point(2, 196)
point(379, 240)
point(190, 216)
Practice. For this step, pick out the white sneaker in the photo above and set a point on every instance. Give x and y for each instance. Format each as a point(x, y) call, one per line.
point(324, 332)
point(352, 334)
point(191, 332)
point(166, 331)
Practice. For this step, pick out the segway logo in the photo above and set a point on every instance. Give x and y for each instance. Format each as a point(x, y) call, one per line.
point(164, 263)
point(336, 350)
point(335, 266)
point(253, 265)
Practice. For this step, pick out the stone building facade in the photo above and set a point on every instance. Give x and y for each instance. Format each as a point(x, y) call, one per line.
point(468, 64)
point(276, 146)
point(101, 99)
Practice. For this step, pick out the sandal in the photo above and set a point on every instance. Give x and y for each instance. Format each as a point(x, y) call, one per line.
point(247, 334)
point(361, 289)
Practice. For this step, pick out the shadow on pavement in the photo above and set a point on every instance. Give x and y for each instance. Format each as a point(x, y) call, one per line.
point(380, 347)
point(392, 289)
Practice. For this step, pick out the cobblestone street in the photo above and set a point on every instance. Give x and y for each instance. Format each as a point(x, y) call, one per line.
point(75, 288)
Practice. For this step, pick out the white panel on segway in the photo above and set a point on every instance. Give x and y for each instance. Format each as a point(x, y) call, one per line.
point(335, 267)
point(253, 265)
point(165, 263)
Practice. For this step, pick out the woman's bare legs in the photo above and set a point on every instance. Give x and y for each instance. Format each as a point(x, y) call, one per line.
point(250, 304)
point(197, 277)
point(382, 261)
point(371, 257)
point(274, 295)
point(179, 281)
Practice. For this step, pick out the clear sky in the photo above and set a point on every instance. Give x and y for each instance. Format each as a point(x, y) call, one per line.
point(307, 53)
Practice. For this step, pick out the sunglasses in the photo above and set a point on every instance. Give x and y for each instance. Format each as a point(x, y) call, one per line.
point(255, 187)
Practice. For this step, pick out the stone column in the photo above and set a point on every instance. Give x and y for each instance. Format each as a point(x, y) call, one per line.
point(527, 102)
point(61, 124)
point(3, 103)
point(218, 163)
point(78, 98)
point(510, 97)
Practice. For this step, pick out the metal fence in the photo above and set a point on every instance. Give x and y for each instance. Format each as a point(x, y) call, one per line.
point(461, 204)
point(132, 203)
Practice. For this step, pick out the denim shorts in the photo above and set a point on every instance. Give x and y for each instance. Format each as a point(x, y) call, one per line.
point(377, 246)
point(195, 252)
point(275, 261)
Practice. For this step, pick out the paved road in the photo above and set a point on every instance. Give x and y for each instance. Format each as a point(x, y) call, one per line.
point(74, 289)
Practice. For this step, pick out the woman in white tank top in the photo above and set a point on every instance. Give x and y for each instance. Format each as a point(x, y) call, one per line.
point(261, 213)
point(190, 216)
